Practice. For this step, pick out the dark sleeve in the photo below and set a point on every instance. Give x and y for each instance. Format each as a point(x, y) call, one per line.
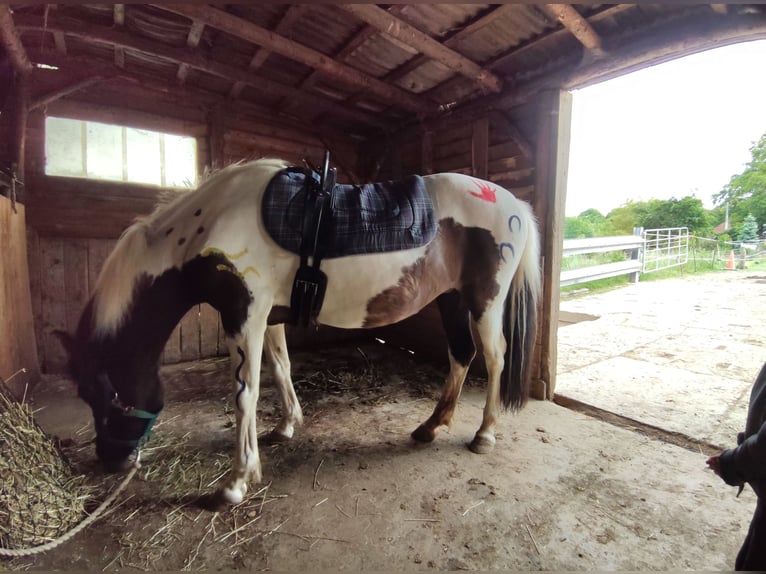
point(747, 462)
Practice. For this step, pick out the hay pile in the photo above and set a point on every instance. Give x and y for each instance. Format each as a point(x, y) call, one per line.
point(40, 499)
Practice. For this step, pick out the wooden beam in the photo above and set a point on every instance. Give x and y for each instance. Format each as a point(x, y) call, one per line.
point(460, 36)
point(580, 28)
point(119, 21)
point(192, 41)
point(411, 36)
point(554, 119)
point(503, 59)
point(63, 92)
point(250, 32)
point(356, 41)
point(90, 33)
point(12, 42)
point(292, 14)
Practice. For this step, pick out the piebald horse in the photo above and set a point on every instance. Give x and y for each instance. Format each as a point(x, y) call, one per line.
point(481, 266)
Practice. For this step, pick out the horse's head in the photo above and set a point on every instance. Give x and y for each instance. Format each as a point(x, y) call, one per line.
point(124, 401)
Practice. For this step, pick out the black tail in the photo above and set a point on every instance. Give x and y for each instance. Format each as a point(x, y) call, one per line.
point(520, 323)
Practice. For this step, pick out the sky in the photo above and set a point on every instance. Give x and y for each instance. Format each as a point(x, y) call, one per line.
point(676, 129)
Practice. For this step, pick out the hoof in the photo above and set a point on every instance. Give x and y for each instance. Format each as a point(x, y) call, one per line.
point(231, 496)
point(273, 437)
point(482, 444)
point(423, 434)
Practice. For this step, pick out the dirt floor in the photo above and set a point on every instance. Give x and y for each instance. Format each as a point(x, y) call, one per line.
point(562, 490)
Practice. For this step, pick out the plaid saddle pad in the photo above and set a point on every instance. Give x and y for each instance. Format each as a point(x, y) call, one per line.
point(371, 218)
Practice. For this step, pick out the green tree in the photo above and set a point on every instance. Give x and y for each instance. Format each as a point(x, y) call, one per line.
point(749, 229)
point(746, 193)
point(577, 228)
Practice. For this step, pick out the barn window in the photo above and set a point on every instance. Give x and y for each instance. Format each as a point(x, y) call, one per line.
point(76, 148)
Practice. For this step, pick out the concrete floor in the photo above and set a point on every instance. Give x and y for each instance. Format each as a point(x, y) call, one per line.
point(679, 354)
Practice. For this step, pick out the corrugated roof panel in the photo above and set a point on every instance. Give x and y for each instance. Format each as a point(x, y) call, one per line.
point(379, 55)
point(439, 20)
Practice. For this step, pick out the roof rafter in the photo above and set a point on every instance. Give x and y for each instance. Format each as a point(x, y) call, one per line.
point(12, 42)
point(192, 41)
point(422, 42)
point(356, 41)
point(245, 30)
point(291, 15)
point(192, 59)
point(580, 28)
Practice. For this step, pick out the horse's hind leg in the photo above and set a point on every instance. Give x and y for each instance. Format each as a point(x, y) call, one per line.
point(457, 325)
point(490, 329)
point(279, 362)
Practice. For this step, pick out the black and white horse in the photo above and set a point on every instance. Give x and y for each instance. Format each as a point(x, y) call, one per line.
point(480, 263)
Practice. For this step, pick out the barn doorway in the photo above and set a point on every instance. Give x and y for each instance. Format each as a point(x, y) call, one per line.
point(678, 353)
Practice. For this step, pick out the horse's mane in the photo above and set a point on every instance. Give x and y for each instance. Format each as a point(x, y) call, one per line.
point(133, 256)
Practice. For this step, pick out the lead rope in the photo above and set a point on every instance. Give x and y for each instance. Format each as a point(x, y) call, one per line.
point(84, 524)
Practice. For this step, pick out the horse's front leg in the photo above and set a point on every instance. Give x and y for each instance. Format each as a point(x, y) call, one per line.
point(279, 361)
point(246, 351)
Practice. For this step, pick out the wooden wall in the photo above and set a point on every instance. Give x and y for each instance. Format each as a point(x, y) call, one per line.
point(18, 348)
point(74, 223)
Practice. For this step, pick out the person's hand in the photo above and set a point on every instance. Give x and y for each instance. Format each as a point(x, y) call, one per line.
point(714, 464)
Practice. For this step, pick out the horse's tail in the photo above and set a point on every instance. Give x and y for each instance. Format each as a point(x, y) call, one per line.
point(520, 318)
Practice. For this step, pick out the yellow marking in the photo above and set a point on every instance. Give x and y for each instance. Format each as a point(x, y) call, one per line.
point(229, 256)
point(237, 272)
point(250, 269)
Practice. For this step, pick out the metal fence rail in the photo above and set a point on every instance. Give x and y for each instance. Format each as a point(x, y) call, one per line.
point(631, 244)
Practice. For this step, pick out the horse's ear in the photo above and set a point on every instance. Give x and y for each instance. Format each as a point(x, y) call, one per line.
point(67, 341)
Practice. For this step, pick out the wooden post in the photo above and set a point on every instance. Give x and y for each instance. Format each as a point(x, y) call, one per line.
point(216, 132)
point(552, 157)
point(480, 148)
point(427, 153)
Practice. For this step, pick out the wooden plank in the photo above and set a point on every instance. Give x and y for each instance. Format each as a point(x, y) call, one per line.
point(209, 325)
point(76, 286)
point(98, 251)
point(19, 348)
point(480, 148)
point(172, 351)
point(35, 287)
point(190, 335)
point(53, 303)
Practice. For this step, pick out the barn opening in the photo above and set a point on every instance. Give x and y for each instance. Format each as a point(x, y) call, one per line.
point(618, 168)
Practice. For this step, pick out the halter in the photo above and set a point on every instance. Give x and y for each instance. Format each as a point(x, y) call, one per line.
point(116, 405)
point(132, 412)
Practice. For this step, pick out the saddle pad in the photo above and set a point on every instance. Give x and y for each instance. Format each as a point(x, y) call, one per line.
point(372, 218)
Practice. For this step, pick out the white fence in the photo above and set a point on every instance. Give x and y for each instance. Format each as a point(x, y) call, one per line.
point(633, 243)
point(645, 251)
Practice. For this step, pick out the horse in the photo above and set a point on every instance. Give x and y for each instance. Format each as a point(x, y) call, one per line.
point(480, 263)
